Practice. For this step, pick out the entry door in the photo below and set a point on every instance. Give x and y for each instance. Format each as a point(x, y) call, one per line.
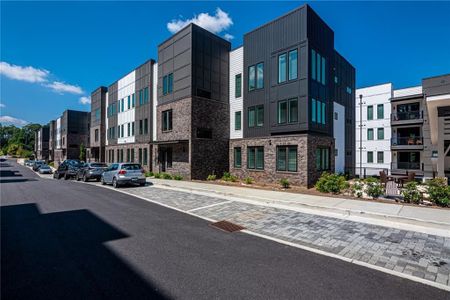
point(165, 158)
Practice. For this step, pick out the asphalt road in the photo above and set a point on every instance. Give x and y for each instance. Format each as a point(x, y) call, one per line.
point(69, 240)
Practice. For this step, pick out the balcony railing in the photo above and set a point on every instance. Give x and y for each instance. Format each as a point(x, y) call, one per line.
point(406, 165)
point(407, 141)
point(407, 116)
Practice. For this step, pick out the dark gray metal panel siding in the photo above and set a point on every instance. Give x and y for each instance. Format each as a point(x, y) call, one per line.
point(436, 85)
point(112, 121)
point(264, 44)
point(143, 79)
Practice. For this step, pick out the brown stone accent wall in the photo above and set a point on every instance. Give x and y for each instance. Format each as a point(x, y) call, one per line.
point(181, 120)
point(180, 160)
point(306, 174)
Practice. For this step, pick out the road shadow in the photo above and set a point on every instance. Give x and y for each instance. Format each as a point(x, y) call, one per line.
point(13, 180)
point(62, 255)
point(9, 173)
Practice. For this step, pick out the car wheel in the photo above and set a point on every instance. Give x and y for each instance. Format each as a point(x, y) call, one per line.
point(77, 178)
point(98, 179)
point(85, 178)
point(66, 177)
point(142, 184)
point(115, 183)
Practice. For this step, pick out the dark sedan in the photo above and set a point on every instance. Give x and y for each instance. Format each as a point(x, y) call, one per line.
point(91, 171)
point(68, 169)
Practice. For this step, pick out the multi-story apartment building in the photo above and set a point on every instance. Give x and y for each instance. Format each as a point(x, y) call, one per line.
point(416, 138)
point(51, 140)
point(96, 150)
point(291, 98)
point(373, 129)
point(129, 112)
point(192, 127)
point(72, 130)
point(42, 142)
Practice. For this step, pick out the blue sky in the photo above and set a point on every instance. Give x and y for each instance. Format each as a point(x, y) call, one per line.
point(55, 53)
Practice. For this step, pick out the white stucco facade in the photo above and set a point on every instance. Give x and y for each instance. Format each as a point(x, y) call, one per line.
point(236, 103)
point(339, 137)
point(125, 91)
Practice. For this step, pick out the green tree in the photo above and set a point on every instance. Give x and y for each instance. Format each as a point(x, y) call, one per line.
point(82, 152)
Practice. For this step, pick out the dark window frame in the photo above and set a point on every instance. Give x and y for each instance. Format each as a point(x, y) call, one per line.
point(169, 115)
point(235, 155)
point(286, 149)
point(255, 150)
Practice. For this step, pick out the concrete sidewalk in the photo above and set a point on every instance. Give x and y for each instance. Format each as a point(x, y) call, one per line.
point(421, 219)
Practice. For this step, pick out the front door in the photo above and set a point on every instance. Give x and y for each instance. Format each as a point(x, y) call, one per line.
point(165, 158)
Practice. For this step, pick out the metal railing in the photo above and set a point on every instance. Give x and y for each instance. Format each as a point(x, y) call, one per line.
point(406, 116)
point(406, 165)
point(407, 141)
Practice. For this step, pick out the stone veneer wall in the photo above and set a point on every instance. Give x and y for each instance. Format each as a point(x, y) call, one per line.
point(180, 160)
point(306, 174)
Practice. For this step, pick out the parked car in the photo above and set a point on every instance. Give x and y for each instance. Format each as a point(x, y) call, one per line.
point(45, 169)
point(27, 162)
point(68, 169)
point(90, 171)
point(37, 164)
point(123, 173)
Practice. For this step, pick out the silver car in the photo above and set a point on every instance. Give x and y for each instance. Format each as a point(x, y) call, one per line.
point(45, 169)
point(119, 174)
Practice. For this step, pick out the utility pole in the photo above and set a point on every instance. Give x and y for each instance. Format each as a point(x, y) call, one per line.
point(360, 135)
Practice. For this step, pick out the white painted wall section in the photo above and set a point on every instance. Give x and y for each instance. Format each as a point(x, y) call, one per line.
point(125, 88)
point(106, 118)
point(236, 104)
point(155, 98)
point(58, 133)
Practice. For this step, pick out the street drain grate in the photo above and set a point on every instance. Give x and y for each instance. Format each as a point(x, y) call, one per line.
point(227, 226)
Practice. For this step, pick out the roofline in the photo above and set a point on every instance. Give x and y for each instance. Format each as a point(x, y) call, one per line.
point(374, 85)
point(238, 47)
point(148, 60)
point(436, 76)
point(192, 25)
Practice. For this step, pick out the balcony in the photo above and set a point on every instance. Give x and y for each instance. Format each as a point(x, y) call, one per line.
point(405, 167)
point(405, 118)
point(407, 143)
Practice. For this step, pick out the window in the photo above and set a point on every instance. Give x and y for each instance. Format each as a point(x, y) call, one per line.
point(237, 157)
point(282, 68)
point(369, 157)
point(164, 85)
point(145, 156)
point(288, 111)
point(97, 114)
point(251, 78)
point(128, 129)
point(255, 158)
point(380, 111)
point(118, 131)
point(145, 126)
point(313, 110)
point(260, 75)
point(323, 70)
point(170, 83)
point(237, 120)
point(370, 134)
point(167, 120)
point(349, 90)
point(370, 112)
point(319, 112)
point(122, 105)
point(323, 113)
point(293, 64)
point(121, 155)
point(260, 115)
point(287, 158)
point(96, 135)
point(380, 134)
point(132, 155)
point(141, 127)
point(256, 116)
point(251, 117)
point(133, 103)
point(141, 97)
point(146, 95)
point(313, 64)
point(322, 159)
point(128, 155)
point(238, 86)
point(319, 59)
point(140, 155)
point(129, 102)
point(380, 157)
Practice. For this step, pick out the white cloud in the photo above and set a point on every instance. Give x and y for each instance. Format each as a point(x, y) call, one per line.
point(28, 74)
point(85, 100)
point(61, 87)
point(13, 121)
point(216, 23)
point(2, 105)
point(228, 36)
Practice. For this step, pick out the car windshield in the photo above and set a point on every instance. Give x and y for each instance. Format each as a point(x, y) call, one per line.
point(131, 167)
point(75, 163)
point(45, 167)
point(98, 165)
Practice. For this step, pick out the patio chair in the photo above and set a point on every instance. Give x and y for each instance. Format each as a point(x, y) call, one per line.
point(383, 178)
point(411, 177)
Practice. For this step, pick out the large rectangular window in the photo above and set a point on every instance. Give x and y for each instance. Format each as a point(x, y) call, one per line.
point(282, 112)
point(129, 102)
point(251, 117)
point(167, 120)
point(380, 157)
point(260, 75)
point(251, 78)
point(145, 156)
point(319, 112)
point(97, 114)
point(256, 116)
point(132, 155)
point(287, 158)
point(237, 157)
point(141, 127)
point(369, 134)
point(140, 155)
point(255, 158)
point(237, 120)
point(132, 128)
point(287, 111)
point(322, 159)
point(293, 64)
point(369, 157)
point(380, 111)
point(370, 112)
point(128, 129)
point(122, 130)
point(145, 126)
point(122, 104)
point(380, 133)
point(238, 85)
point(170, 83)
point(313, 110)
point(282, 68)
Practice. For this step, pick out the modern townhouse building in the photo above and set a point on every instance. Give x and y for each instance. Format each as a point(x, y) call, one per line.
point(51, 140)
point(129, 113)
point(418, 132)
point(192, 112)
point(292, 102)
point(42, 142)
point(373, 129)
point(72, 130)
point(96, 150)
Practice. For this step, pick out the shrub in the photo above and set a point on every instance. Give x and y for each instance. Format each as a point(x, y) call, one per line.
point(166, 176)
point(438, 191)
point(357, 188)
point(177, 177)
point(248, 180)
point(228, 177)
point(158, 175)
point(284, 183)
point(374, 188)
point(331, 183)
point(411, 193)
point(149, 174)
point(51, 164)
point(211, 177)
